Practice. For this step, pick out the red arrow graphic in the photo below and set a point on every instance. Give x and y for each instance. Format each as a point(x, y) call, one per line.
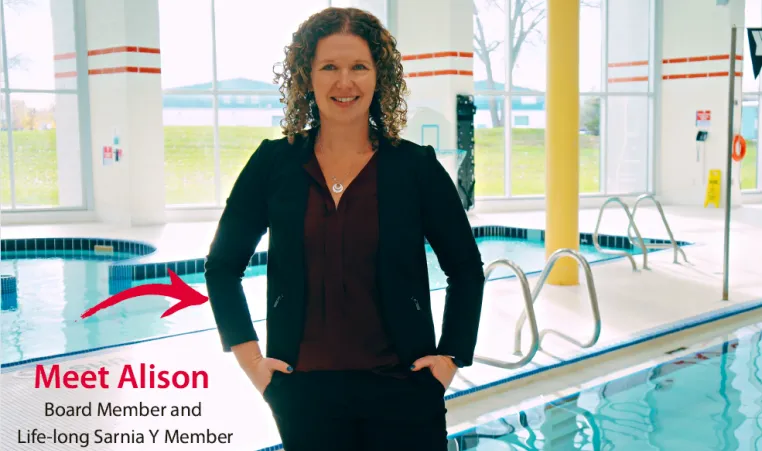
point(177, 289)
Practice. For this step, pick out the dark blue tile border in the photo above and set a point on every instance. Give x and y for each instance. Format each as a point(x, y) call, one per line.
point(122, 272)
point(136, 271)
point(81, 247)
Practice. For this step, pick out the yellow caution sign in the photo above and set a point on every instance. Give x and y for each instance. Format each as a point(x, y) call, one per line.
point(713, 188)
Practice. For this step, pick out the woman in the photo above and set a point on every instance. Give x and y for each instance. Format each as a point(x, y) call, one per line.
point(352, 358)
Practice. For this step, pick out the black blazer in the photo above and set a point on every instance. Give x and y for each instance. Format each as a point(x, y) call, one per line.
point(417, 201)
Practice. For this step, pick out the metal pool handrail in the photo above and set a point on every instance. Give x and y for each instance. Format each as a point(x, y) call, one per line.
point(529, 311)
point(592, 295)
point(672, 240)
point(632, 225)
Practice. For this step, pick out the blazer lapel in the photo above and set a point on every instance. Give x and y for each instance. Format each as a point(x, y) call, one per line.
point(387, 224)
point(298, 189)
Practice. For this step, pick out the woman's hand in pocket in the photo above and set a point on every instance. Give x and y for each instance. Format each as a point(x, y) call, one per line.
point(442, 367)
point(262, 372)
point(258, 368)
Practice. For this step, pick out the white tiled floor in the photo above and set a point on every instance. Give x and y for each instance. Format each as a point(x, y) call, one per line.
point(630, 304)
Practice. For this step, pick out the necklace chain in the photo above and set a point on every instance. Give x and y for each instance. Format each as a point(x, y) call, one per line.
point(338, 186)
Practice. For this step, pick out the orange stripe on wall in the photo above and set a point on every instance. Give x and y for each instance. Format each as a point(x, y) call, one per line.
point(628, 79)
point(674, 77)
point(694, 59)
point(434, 73)
point(123, 69)
point(105, 51)
point(66, 74)
point(699, 75)
point(629, 64)
point(123, 49)
point(688, 59)
point(450, 54)
point(65, 56)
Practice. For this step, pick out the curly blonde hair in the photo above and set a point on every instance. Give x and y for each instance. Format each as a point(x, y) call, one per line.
point(388, 108)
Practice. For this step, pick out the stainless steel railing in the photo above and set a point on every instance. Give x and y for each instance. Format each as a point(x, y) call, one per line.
point(529, 311)
point(632, 225)
point(541, 283)
point(673, 242)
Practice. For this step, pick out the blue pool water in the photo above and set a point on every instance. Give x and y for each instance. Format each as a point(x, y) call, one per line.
point(54, 291)
point(711, 400)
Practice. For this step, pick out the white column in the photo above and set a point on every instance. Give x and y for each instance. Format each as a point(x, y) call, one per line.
point(435, 38)
point(126, 108)
point(695, 68)
point(68, 147)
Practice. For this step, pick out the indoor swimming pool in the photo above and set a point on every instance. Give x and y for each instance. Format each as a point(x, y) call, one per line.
point(43, 319)
point(707, 400)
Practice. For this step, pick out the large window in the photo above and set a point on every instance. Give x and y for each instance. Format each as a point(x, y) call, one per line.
point(751, 166)
point(40, 152)
point(220, 101)
point(616, 96)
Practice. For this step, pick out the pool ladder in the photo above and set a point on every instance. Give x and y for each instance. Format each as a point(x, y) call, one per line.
point(634, 228)
point(530, 296)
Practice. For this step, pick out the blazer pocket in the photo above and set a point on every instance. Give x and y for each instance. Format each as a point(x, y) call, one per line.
point(274, 380)
point(416, 303)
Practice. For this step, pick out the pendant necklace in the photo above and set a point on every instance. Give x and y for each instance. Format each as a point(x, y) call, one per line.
point(337, 187)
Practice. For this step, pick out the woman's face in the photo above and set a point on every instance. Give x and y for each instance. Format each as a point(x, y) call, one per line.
point(343, 78)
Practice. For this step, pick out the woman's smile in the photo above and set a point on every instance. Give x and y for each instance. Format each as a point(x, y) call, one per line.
point(345, 102)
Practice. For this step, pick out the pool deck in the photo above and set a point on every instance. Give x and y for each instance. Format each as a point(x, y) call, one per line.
point(631, 304)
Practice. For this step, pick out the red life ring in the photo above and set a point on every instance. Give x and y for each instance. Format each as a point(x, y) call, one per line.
point(739, 153)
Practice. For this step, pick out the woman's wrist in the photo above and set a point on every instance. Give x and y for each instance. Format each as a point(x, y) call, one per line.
point(247, 353)
point(452, 361)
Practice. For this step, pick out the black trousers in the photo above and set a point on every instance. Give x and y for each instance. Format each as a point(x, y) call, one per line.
point(358, 411)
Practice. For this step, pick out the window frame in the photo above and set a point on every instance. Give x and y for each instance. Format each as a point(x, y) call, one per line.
point(82, 90)
point(604, 94)
point(216, 94)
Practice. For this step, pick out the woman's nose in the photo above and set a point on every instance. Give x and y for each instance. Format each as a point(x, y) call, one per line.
point(345, 78)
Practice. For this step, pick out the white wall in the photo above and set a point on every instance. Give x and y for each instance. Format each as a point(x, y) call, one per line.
point(435, 38)
point(691, 82)
point(123, 38)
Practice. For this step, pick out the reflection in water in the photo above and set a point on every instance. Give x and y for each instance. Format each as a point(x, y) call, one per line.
point(711, 400)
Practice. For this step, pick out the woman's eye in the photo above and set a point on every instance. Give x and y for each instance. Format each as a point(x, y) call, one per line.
point(355, 67)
